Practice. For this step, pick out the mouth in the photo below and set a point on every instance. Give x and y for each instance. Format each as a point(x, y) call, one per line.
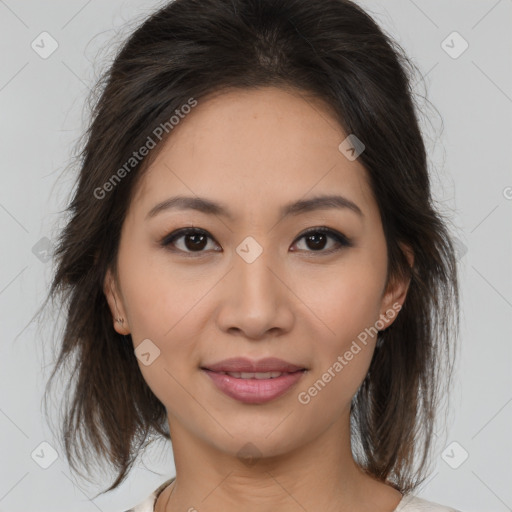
point(254, 375)
point(244, 365)
point(254, 382)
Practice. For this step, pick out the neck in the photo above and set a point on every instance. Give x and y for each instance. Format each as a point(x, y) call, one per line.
point(320, 475)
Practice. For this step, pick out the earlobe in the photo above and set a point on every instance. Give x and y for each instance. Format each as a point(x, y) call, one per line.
point(392, 303)
point(396, 293)
point(120, 322)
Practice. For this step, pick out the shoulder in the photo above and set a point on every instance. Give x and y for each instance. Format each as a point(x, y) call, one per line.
point(411, 503)
point(148, 504)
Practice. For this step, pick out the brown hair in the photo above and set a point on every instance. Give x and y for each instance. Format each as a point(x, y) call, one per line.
point(190, 48)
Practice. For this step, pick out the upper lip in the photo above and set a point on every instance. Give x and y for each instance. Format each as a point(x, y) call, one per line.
point(242, 364)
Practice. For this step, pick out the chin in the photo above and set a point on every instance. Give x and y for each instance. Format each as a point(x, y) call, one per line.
point(250, 441)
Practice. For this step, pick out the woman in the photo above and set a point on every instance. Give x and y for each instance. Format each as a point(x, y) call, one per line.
point(253, 266)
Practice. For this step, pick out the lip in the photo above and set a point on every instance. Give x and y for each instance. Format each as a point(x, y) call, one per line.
point(242, 364)
point(254, 391)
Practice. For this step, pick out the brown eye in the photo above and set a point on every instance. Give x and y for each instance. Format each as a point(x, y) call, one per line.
point(316, 240)
point(194, 240)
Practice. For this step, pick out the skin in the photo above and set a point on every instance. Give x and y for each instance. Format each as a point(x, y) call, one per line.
point(255, 151)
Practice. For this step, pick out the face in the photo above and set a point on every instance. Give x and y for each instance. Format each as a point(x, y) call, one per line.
point(252, 279)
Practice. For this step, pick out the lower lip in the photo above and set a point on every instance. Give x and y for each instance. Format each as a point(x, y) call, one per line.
point(254, 391)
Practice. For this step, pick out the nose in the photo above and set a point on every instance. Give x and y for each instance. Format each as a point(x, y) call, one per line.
point(256, 302)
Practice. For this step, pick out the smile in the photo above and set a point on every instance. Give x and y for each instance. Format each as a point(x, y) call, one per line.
point(254, 382)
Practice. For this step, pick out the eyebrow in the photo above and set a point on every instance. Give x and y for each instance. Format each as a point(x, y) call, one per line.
point(204, 205)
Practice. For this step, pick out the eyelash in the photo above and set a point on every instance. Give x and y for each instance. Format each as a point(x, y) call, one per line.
point(342, 240)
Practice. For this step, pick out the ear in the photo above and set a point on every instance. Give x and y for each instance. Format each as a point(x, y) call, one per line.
point(119, 318)
point(396, 292)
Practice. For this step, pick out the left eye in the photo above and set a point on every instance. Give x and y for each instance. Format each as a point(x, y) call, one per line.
point(195, 240)
point(318, 236)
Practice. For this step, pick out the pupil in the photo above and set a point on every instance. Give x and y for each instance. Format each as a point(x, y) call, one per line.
point(194, 243)
point(315, 243)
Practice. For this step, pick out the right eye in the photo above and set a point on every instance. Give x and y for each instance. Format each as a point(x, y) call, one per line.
point(194, 240)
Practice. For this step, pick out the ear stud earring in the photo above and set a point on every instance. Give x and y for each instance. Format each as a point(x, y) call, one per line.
point(120, 320)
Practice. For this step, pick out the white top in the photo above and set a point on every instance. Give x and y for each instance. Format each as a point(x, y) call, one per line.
point(408, 503)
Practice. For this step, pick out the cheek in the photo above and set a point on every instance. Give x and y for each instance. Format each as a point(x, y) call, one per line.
point(158, 295)
point(164, 310)
point(163, 306)
point(348, 302)
point(348, 305)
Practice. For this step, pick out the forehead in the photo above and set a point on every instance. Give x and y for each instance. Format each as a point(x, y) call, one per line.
point(253, 148)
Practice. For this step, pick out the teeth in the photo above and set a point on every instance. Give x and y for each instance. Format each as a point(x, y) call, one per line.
point(255, 375)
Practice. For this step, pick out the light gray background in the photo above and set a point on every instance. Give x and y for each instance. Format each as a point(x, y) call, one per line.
point(42, 104)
